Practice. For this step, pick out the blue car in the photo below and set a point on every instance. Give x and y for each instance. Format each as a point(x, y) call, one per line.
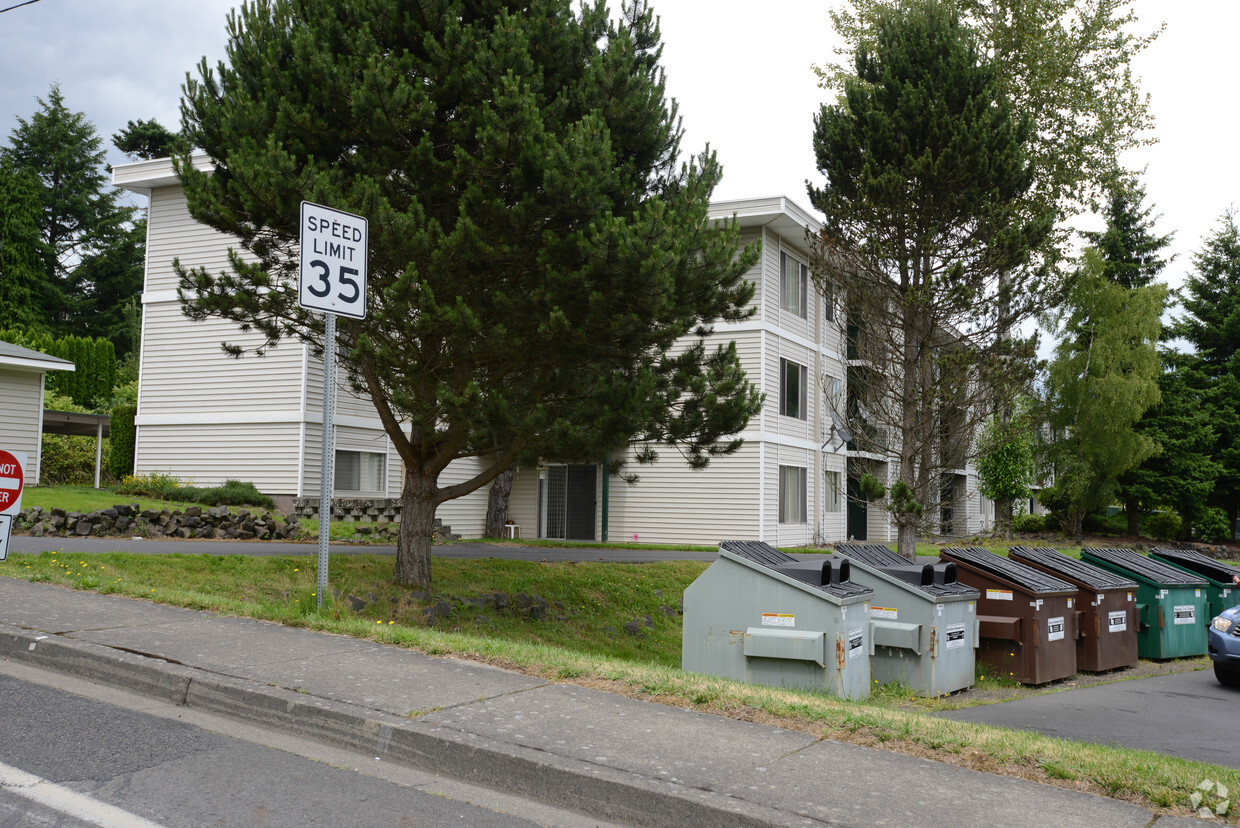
point(1223, 637)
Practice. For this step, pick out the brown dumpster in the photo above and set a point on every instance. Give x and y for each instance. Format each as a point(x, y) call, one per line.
point(1106, 608)
point(1026, 618)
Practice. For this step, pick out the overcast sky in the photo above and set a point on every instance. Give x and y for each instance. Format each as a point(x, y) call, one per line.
point(740, 71)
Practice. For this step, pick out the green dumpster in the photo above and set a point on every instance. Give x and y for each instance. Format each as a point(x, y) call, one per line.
point(1171, 603)
point(1221, 592)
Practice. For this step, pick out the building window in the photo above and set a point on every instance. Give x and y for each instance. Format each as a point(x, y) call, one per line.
point(792, 499)
point(834, 391)
point(793, 379)
point(828, 302)
point(833, 500)
point(360, 471)
point(793, 284)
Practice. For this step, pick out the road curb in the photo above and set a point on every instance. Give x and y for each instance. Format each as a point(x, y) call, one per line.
point(601, 791)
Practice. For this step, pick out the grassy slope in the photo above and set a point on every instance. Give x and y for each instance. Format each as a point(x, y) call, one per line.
point(582, 638)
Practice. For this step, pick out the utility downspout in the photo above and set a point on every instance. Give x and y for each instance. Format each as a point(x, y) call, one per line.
point(606, 494)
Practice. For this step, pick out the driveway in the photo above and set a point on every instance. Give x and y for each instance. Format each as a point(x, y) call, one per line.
point(1189, 715)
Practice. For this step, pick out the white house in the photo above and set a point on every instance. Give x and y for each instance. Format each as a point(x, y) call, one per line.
point(206, 417)
point(22, 374)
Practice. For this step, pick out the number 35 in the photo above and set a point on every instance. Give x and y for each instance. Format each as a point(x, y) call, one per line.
point(323, 282)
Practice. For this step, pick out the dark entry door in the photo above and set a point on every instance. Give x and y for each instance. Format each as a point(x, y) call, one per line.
point(568, 502)
point(858, 511)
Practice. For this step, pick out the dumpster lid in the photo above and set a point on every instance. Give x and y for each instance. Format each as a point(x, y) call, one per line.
point(875, 554)
point(1083, 574)
point(1148, 568)
point(763, 554)
point(1203, 565)
point(1018, 573)
point(937, 579)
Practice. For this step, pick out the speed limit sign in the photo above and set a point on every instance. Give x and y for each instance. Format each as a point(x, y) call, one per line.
point(333, 261)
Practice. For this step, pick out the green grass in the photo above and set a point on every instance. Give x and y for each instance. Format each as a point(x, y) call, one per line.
point(87, 499)
point(582, 639)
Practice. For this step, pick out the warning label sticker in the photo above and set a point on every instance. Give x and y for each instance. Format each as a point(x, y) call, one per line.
point(779, 619)
point(955, 636)
point(1054, 628)
point(855, 641)
point(889, 613)
point(1117, 621)
point(999, 594)
point(1186, 614)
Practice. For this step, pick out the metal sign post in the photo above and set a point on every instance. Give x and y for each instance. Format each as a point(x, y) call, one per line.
point(333, 280)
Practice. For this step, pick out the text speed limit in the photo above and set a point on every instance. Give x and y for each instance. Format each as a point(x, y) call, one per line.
point(333, 261)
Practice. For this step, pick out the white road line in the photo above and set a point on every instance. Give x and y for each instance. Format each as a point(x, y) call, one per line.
point(68, 802)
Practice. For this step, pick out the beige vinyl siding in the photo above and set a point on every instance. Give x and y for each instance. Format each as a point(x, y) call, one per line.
point(754, 274)
point(185, 371)
point(264, 454)
point(672, 503)
point(21, 417)
point(791, 534)
point(174, 234)
point(466, 515)
point(523, 501)
point(833, 526)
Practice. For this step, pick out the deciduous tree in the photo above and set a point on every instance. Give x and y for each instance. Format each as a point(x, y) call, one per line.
point(542, 267)
point(1103, 378)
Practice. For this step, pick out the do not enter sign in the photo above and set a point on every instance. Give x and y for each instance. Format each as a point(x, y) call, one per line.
point(11, 477)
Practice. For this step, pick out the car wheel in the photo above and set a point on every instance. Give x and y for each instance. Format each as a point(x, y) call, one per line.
point(1227, 674)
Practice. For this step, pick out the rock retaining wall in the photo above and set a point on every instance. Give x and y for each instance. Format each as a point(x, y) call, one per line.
point(194, 522)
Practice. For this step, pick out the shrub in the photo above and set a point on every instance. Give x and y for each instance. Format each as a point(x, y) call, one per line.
point(155, 484)
point(122, 437)
point(1213, 526)
point(1163, 525)
point(167, 487)
point(1104, 524)
point(1030, 523)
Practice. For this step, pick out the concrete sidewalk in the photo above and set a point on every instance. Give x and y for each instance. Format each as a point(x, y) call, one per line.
point(610, 756)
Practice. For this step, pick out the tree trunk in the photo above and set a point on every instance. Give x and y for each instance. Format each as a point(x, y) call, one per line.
point(1003, 518)
point(906, 541)
point(417, 528)
point(497, 504)
point(1134, 518)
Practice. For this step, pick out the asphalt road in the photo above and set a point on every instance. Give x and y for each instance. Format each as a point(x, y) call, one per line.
point(32, 545)
point(75, 754)
point(1189, 715)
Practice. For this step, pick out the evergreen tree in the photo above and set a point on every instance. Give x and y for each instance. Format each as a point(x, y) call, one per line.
point(147, 140)
point(1211, 299)
point(537, 245)
point(79, 215)
point(1065, 64)
point(1130, 250)
point(1103, 378)
point(25, 294)
point(112, 274)
point(1181, 474)
point(925, 169)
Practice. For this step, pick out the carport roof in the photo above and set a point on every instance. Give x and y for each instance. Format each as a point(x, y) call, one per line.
point(73, 422)
point(15, 356)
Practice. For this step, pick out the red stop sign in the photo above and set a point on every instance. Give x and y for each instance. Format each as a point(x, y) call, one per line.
point(11, 477)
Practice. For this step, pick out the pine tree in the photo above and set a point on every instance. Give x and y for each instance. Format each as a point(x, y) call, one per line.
point(925, 170)
point(537, 245)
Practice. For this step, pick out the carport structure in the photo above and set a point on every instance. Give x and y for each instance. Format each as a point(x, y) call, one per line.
point(82, 425)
